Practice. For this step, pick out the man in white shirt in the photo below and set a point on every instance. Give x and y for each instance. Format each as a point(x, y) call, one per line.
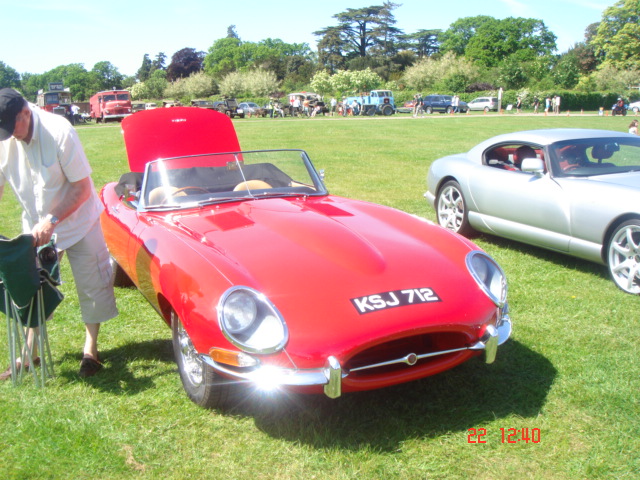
point(41, 157)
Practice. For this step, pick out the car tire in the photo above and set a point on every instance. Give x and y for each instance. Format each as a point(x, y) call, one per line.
point(451, 209)
point(636, 110)
point(429, 110)
point(449, 110)
point(486, 109)
point(201, 383)
point(387, 110)
point(623, 256)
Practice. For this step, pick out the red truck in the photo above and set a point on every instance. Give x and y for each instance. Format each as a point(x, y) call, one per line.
point(110, 105)
point(57, 99)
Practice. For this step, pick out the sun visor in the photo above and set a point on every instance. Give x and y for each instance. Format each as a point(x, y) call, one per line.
point(176, 132)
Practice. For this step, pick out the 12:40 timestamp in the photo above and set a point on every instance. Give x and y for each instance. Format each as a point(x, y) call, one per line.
point(508, 435)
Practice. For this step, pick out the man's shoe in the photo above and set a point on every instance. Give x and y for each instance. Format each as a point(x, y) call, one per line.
point(89, 366)
point(6, 375)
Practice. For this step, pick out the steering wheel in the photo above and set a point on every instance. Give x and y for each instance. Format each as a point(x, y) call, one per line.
point(189, 188)
point(251, 185)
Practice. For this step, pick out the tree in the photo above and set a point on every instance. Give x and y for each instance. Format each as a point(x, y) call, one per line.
point(617, 38)
point(449, 73)
point(456, 38)
point(9, 78)
point(145, 69)
point(232, 33)
point(229, 55)
point(361, 29)
point(184, 62)
point(156, 84)
point(521, 39)
point(106, 76)
point(424, 43)
point(158, 63)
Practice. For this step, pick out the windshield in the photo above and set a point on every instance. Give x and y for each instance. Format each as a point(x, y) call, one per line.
point(187, 182)
point(597, 156)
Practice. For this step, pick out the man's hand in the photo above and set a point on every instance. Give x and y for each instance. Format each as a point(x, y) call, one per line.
point(42, 232)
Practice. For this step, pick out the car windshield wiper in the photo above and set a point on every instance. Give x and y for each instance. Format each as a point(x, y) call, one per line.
point(213, 200)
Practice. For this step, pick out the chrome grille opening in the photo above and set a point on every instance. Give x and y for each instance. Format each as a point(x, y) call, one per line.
point(402, 348)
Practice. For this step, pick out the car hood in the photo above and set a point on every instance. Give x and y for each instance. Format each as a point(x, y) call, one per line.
point(317, 258)
point(631, 180)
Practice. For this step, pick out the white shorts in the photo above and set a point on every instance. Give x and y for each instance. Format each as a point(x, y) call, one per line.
point(89, 260)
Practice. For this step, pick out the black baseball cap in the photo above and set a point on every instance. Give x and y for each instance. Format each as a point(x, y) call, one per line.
point(11, 104)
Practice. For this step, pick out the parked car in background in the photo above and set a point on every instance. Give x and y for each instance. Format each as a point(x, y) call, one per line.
point(573, 191)
point(252, 109)
point(150, 106)
point(442, 104)
point(229, 107)
point(269, 282)
point(203, 104)
point(634, 107)
point(407, 107)
point(483, 103)
point(137, 106)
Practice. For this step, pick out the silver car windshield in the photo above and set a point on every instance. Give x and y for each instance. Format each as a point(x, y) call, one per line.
point(595, 156)
point(187, 182)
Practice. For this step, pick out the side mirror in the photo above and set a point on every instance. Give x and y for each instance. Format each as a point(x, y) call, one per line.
point(533, 165)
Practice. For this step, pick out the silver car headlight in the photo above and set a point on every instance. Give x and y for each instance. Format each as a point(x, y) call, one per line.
point(250, 321)
point(489, 276)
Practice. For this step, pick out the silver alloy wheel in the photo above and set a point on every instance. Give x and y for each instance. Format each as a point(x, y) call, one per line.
point(190, 360)
point(624, 257)
point(451, 208)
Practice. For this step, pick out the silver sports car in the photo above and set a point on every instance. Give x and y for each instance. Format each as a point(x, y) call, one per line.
point(569, 190)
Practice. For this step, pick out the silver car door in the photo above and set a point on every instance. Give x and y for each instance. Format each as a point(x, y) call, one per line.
point(521, 206)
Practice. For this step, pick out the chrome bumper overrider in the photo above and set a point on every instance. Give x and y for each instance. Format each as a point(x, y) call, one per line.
point(332, 374)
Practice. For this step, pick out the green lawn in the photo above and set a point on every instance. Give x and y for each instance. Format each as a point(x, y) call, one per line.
point(571, 372)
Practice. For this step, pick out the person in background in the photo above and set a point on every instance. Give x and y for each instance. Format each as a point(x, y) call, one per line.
point(633, 127)
point(41, 157)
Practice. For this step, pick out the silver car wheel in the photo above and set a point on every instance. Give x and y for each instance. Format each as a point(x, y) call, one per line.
point(191, 363)
point(452, 209)
point(624, 257)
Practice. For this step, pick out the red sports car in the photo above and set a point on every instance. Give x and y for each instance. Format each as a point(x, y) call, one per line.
point(268, 281)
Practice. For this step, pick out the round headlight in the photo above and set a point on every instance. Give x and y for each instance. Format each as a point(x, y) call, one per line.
point(489, 276)
point(239, 311)
point(251, 322)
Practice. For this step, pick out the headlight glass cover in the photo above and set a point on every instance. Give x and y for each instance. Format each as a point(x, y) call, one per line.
point(250, 321)
point(489, 276)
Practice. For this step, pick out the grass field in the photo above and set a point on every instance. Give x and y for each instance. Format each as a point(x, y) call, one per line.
point(570, 373)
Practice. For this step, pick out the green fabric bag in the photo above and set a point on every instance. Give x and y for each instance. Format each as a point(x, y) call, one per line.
point(21, 277)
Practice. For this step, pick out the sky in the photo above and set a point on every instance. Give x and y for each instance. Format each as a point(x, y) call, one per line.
point(39, 35)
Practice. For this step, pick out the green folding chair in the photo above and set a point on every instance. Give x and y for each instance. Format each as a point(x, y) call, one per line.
point(28, 297)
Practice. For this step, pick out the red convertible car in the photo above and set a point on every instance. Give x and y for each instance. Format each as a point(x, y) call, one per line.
point(267, 281)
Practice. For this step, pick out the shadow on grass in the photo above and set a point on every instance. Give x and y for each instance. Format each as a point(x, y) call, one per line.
point(559, 259)
point(128, 369)
point(473, 393)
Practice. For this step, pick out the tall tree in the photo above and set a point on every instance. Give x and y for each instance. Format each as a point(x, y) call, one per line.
point(232, 33)
point(145, 69)
point(361, 29)
point(490, 42)
point(184, 62)
point(158, 62)
point(456, 38)
point(424, 43)
point(617, 39)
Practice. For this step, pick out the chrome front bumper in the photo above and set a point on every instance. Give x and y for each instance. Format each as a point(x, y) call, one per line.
point(331, 375)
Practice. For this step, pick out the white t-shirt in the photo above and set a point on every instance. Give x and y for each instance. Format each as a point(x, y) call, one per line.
point(40, 174)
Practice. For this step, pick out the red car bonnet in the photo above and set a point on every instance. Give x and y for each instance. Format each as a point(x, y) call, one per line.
point(176, 132)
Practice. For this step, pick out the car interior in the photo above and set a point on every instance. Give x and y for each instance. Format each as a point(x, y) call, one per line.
point(510, 157)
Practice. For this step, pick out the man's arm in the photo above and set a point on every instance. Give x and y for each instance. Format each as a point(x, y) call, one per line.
point(76, 196)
